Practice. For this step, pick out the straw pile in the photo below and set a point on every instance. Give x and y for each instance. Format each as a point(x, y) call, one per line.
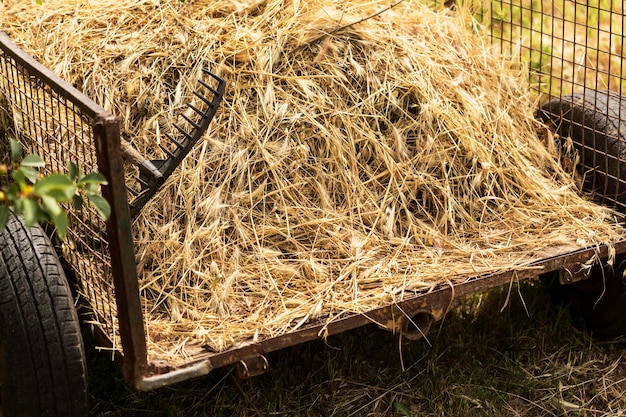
point(364, 151)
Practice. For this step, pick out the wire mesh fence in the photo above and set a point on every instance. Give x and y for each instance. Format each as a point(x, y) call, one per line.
point(57, 126)
point(573, 51)
point(569, 46)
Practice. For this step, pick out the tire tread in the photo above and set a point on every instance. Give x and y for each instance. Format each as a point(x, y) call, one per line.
point(41, 336)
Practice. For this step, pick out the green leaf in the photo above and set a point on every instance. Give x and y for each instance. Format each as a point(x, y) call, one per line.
point(58, 186)
point(11, 192)
point(61, 223)
point(29, 173)
point(57, 214)
point(16, 150)
point(31, 211)
point(72, 170)
point(100, 204)
point(93, 178)
point(33, 161)
point(51, 205)
point(18, 204)
point(91, 188)
point(402, 409)
point(4, 217)
point(77, 201)
point(18, 176)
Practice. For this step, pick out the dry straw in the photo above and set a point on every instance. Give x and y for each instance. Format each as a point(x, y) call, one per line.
point(363, 151)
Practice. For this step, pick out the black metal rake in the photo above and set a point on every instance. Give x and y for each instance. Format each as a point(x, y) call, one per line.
point(186, 133)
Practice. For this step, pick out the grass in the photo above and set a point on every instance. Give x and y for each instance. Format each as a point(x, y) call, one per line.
point(526, 360)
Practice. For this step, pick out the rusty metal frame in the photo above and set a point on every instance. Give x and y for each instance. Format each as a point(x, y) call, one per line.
point(119, 233)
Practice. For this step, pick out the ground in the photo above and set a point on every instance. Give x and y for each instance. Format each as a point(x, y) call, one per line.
point(489, 357)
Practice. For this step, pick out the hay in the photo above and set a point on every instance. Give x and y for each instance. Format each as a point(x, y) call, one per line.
point(363, 152)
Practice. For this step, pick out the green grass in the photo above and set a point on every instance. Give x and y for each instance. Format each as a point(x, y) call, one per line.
point(528, 360)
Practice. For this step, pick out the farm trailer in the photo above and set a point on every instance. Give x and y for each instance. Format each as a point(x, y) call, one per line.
point(576, 67)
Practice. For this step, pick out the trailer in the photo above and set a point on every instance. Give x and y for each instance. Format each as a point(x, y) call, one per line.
point(43, 365)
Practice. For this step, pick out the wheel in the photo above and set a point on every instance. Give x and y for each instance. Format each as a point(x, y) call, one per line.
point(42, 358)
point(597, 303)
point(592, 119)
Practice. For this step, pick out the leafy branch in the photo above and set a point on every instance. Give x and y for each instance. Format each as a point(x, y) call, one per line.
point(39, 198)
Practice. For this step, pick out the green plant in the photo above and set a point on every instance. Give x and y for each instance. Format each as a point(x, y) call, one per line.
point(40, 198)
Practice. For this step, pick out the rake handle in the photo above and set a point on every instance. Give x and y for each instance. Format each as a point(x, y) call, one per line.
point(132, 155)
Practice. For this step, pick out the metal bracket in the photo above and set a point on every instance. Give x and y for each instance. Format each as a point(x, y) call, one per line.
point(566, 276)
point(252, 366)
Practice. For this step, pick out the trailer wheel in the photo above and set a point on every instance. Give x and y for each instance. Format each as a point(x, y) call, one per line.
point(592, 120)
point(597, 303)
point(42, 358)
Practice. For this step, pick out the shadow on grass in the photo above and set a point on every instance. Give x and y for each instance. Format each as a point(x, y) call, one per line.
point(508, 352)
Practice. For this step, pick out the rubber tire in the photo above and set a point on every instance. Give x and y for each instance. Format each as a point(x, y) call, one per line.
point(42, 357)
point(592, 120)
point(598, 303)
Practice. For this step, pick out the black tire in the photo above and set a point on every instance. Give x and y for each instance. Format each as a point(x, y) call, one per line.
point(592, 120)
point(597, 303)
point(42, 358)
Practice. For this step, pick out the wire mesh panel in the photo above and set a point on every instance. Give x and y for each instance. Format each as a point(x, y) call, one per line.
point(59, 128)
point(574, 53)
point(570, 46)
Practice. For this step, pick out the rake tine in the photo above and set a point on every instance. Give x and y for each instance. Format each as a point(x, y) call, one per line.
point(204, 99)
point(191, 122)
point(197, 110)
point(208, 87)
point(184, 132)
point(169, 154)
point(171, 138)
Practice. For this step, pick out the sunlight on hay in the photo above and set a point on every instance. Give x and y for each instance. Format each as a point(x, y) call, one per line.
point(362, 152)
